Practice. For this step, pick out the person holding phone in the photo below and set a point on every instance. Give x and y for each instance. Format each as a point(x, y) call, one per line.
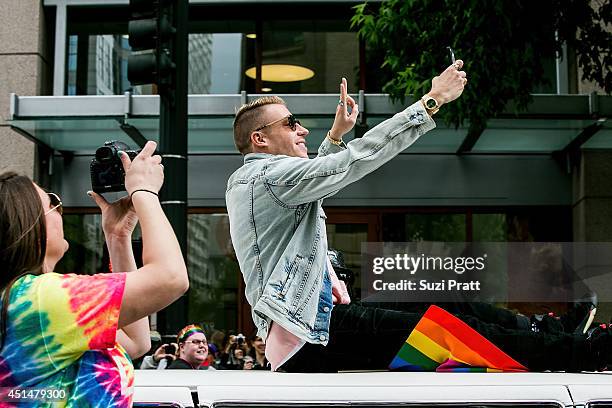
point(74, 332)
point(164, 355)
point(278, 231)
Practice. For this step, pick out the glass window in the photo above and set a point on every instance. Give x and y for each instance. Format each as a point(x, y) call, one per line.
point(489, 227)
point(88, 253)
point(222, 56)
point(314, 61)
point(213, 270)
point(215, 61)
point(399, 227)
point(221, 51)
point(214, 274)
point(215, 298)
point(84, 235)
point(549, 66)
point(548, 224)
point(436, 227)
point(347, 238)
point(97, 65)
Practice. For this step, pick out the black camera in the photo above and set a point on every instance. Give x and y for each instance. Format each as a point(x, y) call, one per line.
point(106, 169)
point(170, 349)
point(240, 339)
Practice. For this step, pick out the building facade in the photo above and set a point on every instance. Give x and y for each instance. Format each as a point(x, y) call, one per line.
point(540, 176)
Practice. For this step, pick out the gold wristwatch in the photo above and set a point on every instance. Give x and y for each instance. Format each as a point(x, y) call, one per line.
point(431, 104)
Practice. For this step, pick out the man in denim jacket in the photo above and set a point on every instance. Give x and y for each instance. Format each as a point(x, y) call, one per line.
point(278, 231)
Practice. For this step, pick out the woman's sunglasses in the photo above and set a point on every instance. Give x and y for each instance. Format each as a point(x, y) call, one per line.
point(56, 204)
point(292, 122)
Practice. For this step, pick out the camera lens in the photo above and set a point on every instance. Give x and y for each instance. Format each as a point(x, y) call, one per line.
point(105, 153)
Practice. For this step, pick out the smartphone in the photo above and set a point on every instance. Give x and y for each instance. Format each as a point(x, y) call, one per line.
point(170, 349)
point(452, 55)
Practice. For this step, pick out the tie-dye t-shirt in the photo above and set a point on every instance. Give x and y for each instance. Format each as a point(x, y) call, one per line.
point(61, 332)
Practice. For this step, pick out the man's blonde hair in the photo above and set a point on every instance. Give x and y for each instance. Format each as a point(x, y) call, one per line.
point(248, 119)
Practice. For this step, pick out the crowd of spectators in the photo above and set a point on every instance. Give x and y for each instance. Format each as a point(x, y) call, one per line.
point(193, 350)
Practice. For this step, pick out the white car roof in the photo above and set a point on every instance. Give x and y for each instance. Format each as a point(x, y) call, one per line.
point(240, 388)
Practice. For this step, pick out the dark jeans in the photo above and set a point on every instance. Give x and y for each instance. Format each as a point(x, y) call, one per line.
point(485, 312)
point(367, 338)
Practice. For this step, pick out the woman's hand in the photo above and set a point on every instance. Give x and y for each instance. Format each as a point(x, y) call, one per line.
point(344, 121)
point(145, 172)
point(118, 219)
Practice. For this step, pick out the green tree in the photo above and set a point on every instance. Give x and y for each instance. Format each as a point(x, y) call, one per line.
point(502, 43)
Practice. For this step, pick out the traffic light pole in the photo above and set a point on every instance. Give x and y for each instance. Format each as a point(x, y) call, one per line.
point(173, 148)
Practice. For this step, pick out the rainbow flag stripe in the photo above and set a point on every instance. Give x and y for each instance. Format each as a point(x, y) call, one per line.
point(442, 342)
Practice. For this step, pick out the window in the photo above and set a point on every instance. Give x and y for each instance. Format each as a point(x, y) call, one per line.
point(84, 235)
point(215, 278)
point(216, 295)
point(222, 51)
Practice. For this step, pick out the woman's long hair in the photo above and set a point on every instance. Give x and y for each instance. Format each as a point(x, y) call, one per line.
point(23, 236)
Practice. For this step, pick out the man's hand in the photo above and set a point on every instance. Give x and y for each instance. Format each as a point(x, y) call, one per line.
point(449, 85)
point(344, 122)
point(340, 295)
point(118, 219)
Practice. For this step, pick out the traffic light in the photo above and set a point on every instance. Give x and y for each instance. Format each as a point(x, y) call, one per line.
point(158, 34)
point(152, 32)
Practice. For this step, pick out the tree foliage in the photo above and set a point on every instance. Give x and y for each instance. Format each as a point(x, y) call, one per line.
point(502, 42)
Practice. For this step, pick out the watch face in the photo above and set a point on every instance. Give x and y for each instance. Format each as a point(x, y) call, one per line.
point(431, 103)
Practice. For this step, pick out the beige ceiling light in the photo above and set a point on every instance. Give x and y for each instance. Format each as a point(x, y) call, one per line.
point(252, 36)
point(281, 73)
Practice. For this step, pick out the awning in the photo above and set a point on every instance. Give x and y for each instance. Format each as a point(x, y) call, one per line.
point(80, 124)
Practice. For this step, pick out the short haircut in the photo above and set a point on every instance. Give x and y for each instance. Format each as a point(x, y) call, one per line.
point(247, 120)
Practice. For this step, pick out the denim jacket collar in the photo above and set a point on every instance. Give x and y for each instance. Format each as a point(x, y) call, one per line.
point(251, 157)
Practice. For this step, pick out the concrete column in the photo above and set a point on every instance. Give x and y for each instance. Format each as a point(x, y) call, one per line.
point(592, 211)
point(24, 69)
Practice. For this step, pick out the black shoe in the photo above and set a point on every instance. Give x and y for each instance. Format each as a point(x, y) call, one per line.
point(579, 318)
point(599, 340)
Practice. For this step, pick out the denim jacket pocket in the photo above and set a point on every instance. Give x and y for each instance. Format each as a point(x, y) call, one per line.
point(325, 305)
point(291, 269)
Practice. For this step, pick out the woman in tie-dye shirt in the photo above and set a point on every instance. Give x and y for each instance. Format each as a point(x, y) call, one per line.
point(76, 333)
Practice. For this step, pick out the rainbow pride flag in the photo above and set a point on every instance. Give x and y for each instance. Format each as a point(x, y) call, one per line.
point(442, 342)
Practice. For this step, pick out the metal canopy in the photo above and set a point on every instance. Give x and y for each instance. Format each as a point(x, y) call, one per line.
point(80, 124)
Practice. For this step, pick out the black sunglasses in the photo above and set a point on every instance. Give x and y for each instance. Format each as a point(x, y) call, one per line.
point(56, 204)
point(292, 122)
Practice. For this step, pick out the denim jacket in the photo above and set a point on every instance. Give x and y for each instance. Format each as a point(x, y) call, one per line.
point(277, 224)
